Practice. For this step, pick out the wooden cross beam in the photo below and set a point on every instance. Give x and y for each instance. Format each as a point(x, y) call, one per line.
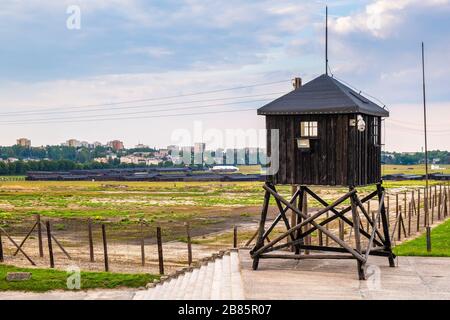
point(340, 214)
point(17, 246)
point(369, 219)
point(356, 254)
point(374, 230)
point(375, 247)
point(282, 214)
point(25, 239)
point(297, 227)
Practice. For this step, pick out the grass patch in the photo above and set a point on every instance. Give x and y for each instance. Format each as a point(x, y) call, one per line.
point(440, 243)
point(46, 279)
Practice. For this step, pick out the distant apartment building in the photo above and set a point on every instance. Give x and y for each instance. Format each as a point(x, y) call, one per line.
point(106, 159)
point(132, 159)
point(173, 149)
point(73, 143)
point(24, 142)
point(141, 146)
point(199, 152)
point(102, 160)
point(116, 145)
point(152, 162)
point(162, 153)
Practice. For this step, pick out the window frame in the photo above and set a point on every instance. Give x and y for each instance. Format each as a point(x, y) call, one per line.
point(309, 127)
point(376, 131)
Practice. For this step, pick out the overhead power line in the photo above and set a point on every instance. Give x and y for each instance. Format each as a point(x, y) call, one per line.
point(144, 106)
point(147, 99)
point(94, 117)
point(146, 117)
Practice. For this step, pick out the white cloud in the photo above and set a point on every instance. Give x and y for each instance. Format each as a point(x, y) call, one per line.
point(381, 17)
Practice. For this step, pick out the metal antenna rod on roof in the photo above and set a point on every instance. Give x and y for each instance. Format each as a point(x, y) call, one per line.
point(326, 40)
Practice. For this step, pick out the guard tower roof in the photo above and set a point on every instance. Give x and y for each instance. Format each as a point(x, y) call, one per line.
point(323, 95)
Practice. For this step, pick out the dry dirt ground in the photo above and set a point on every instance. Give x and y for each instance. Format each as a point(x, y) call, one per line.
point(211, 227)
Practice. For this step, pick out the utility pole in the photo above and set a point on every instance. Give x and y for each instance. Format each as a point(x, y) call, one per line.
point(427, 215)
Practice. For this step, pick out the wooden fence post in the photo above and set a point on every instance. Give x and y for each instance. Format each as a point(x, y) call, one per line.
point(418, 210)
point(235, 237)
point(189, 243)
point(142, 243)
point(1, 247)
point(435, 195)
point(399, 217)
point(91, 241)
point(39, 232)
point(428, 239)
point(433, 204)
point(160, 250)
point(409, 218)
point(105, 248)
point(425, 208)
point(387, 210)
point(439, 202)
point(405, 204)
point(50, 247)
point(445, 205)
point(341, 229)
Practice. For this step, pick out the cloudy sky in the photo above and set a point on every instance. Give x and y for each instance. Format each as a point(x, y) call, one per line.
point(140, 70)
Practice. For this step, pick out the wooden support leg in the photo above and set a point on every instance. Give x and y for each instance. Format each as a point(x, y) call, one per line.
point(355, 217)
point(262, 222)
point(384, 221)
point(302, 205)
point(1, 248)
point(293, 214)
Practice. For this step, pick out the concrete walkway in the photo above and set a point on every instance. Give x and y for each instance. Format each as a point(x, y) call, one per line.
point(116, 294)
point(414, 278)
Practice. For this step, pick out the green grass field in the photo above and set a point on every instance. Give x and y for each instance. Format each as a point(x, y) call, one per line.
point(440, 243)
point(175, 201)
point(47, 279)
point(412, 169)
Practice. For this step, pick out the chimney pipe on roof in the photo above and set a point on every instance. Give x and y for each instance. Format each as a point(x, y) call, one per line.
point(297, 83)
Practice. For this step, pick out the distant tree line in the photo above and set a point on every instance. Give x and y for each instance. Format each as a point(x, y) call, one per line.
point(78, 155)
point(21, 167)
point(412, 158)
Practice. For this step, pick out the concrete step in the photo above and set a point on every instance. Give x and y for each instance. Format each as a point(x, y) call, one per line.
point(191, 285)
point(199, 283)
point(237, 287)
point(225, 286)
point(184, 283)
point(207, 284)
point(214, 280)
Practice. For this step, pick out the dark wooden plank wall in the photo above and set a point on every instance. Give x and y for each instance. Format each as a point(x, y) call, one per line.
point(341, 155)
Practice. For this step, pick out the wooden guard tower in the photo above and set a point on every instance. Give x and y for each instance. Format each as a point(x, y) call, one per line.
point(329, 135)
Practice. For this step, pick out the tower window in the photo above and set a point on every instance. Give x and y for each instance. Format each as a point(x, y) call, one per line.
point(375, 130)
point(308, 129)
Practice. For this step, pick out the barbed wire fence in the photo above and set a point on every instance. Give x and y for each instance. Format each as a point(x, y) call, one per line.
point(156, 247)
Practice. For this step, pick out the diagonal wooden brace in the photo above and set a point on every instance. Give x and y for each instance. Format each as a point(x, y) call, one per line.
point(375, 229)
point(341, 215)
point(315, 224)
